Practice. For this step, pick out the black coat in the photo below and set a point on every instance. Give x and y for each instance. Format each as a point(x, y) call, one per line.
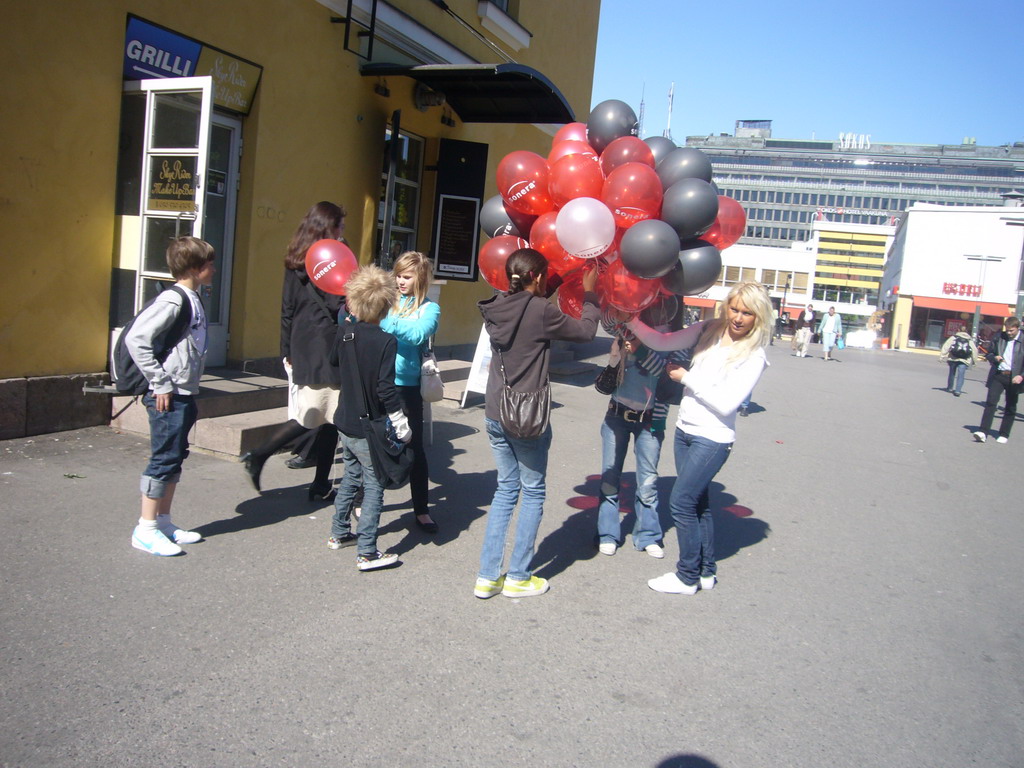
point(307, 331)
point(998, 349)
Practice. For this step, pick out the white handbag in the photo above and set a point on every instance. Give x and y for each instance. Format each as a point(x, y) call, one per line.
point(431, 386)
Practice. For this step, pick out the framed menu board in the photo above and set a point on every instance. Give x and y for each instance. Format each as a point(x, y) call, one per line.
point(455, 240)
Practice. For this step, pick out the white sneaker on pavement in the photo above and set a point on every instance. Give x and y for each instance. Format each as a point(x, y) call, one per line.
point(979, 437)
point(708, 582)
point(670, 584)
point(154, 542)
point(655, 550)
point(607, 547)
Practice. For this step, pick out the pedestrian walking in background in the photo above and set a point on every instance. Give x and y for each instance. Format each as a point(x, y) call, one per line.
point(728, 359)
point(412, 321)
point(521, 325)
point(173, 383)
point(830, 328)
point(958, 352)
point(1004, 380)
point(802, 335)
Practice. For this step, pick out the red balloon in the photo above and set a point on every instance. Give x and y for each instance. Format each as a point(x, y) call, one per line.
point(570, 295)
point(523, 182)
point(543, 239)
point(566, 148)
point(574, 131)
point(632, 193)
point(621, 289)
point(493, 256)
point(626, 149)
point(329, 264)
point(575, 176)
point(729, 225)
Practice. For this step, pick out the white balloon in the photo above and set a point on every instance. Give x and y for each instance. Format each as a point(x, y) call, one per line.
point(585, 227)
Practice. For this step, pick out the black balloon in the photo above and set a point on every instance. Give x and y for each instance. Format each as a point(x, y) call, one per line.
point(649, 249)
point(495, 221)
point(698, 268)
point(608, 121)
point(684, 163)
point(661, 146)
point(690, 207)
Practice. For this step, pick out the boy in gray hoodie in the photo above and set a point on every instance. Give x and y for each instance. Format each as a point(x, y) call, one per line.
point(173, 382)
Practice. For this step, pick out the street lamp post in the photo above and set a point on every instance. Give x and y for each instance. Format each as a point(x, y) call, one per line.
point(782, 306)
point(984, 260)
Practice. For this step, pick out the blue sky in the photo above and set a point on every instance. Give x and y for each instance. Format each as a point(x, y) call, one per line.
point(905, 71)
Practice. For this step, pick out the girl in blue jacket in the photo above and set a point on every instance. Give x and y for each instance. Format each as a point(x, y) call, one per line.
point(412, 321)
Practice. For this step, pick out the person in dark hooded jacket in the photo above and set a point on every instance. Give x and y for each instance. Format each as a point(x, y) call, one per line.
point(522, 324)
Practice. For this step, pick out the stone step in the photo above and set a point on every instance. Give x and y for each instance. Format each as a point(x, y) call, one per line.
point(223, 393)
point(238, 410)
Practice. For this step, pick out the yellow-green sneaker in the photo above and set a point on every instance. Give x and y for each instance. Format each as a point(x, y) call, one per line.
point(532, 586)
point(486, 588)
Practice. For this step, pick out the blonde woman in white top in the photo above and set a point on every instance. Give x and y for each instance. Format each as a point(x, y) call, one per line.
point(728, 360)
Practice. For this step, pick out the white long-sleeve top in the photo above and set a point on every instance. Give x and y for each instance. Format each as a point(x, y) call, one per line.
point(714, 389)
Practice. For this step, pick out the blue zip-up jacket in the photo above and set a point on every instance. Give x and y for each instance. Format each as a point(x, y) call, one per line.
point(412, 332)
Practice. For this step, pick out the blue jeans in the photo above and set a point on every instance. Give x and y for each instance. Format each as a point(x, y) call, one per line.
point(957, 371)
point(697, 462)
point(359, 473)
point(522, 466)
point(615, 433)
point(168, 439)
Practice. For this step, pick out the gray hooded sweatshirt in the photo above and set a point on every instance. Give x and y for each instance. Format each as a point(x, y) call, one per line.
point(522, 327)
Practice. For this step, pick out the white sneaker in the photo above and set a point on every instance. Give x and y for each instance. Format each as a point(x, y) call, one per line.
point(154, 542)
point(607, 547)
point(1002, 439)
point(708, 582)
point(179, 535)
point(979, 437)
point(655, 550)
point(671, 584)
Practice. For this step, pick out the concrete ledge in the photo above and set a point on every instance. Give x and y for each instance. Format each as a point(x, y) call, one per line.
point(45, 404)
point(12, 408)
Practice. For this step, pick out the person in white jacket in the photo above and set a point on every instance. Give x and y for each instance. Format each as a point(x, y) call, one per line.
point(728, 359)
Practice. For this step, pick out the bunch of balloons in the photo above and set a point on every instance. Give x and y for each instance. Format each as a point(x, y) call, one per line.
point(645, 209)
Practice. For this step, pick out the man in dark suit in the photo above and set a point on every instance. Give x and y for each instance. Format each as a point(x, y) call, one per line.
point(1006, 356)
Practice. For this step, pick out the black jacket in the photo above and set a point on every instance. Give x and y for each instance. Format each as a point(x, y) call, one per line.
point(307, 331)
point(370, 357)
point(998, 349)
point(522, 326)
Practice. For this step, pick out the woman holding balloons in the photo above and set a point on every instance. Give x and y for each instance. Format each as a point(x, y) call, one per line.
point(412, 321)
point(521, 325)
point(309, 320)
point(728, 359)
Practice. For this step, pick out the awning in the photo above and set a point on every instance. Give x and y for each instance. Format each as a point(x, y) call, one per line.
point(695, 301)
point(964, 305)
point(487, 93)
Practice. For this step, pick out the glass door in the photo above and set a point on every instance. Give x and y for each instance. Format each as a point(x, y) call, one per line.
point(219, 227)
point(174, 145)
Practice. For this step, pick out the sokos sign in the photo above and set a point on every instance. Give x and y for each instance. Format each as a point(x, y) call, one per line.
point(855, 141)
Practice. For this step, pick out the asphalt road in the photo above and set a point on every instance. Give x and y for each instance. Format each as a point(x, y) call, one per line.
point(868, 611)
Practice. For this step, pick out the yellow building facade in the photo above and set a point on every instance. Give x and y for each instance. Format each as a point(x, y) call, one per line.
point(105, 100)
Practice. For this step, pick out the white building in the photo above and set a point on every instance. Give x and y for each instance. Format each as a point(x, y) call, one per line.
point(951, 268)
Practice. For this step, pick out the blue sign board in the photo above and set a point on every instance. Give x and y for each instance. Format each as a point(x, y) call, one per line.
point(152, 51)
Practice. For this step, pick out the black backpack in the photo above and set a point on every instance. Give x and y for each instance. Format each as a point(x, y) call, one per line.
point(961, 349)
point(127, 378)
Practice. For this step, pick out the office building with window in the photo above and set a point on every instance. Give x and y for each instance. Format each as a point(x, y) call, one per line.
point(786, 185)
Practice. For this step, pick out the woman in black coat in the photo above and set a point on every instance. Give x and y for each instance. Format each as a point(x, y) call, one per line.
point(309, 321)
